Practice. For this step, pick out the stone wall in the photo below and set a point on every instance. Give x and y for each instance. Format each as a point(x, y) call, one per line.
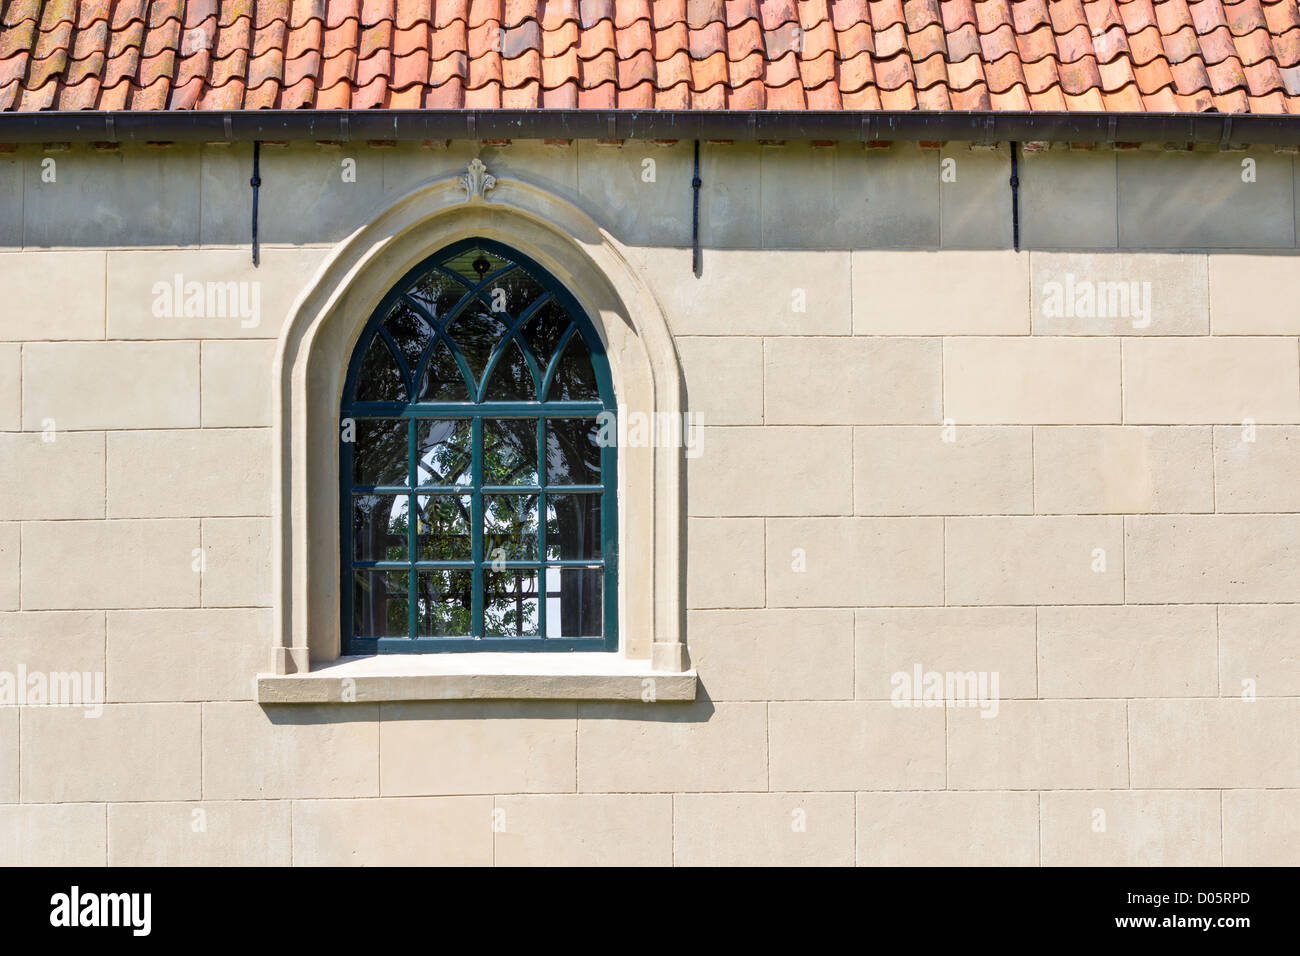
point(922, 450)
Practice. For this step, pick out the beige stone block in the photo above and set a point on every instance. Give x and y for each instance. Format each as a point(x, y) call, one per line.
point(1259, 474)
point(60, 834)
point(1211, 744)
point(186, 655)
point(393, 831)
point(1130, 294)
point(1259, 650)
point(1110, 469)
point(947, 828)
point(11, 395)
point(1038, 745)
point(1182, 559)
point(1134, 651)
point(63, 478)
point(1130, 828)
point(9, 750)
point(1087, 177)
point(10, 546)
point(1037, 560)
point(199, 833)
point(584, 830)
point(237, 568)
point(724, 378)
point(1253, 295)
point(109, 564)
point(936, 470)
point(763, 829)
point(856, 745)
point(472, 747)
point(750, 292)
point(1031, 381)
point(205, 293)
point(991, 640)
point(1197, 200)
point(127, 752)
point(773, 654)
point(912, 292)
point(85, 385)
point(724, 562)
point(859, 381)
point(1211, 380)
point(854, 562)
point(1261, 827)
point(701, 746)
point(237, 386)
point(881, 196)
point(755, 471)
point(252, 752)
point(222, 472)
point(52, 295)
point(52, 641)
point(974, 199)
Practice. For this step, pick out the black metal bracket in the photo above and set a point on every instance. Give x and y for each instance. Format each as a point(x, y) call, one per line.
point(256, 183)
point(1015, 198)
point(697, 266)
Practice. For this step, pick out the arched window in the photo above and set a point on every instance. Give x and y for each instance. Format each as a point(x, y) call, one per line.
point(478, 481)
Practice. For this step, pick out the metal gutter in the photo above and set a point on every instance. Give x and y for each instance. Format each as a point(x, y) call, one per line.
point(419, 125)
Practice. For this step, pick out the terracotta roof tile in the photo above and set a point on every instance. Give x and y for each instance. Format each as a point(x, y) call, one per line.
point(1121, 55)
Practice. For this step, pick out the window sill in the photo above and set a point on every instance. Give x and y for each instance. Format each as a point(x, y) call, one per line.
point(479, 676)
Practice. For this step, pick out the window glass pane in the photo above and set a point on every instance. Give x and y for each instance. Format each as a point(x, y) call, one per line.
point(476, 332)
point(379, 607)
point(510, 603)
point(380, 454)
point(573, 602)
point(512, 293)
point(443, 448)
point(442, 379)
point(575, 379)
point(511, 380)
point(443, 533)
point(378, 379)
point(509, 528)
point(411, 333)
point(572, 451)
point(510, 451)
point(438, 293)
point(572, 527)
point(544, 330)
point(475, 263)
point(379, 527)
point(442, 603)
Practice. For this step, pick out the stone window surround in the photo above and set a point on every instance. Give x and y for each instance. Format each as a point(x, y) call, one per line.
point(311, 361)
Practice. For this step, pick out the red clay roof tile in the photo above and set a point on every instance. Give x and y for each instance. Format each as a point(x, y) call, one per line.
point(1118, 55)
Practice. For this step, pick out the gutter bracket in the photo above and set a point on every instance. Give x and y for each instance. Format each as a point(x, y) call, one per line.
point(697, 266)
point(256, 183)
point(344, 132)
point(1226, 138)
point(1015, 198)
point(228, 126)
point(110, 128)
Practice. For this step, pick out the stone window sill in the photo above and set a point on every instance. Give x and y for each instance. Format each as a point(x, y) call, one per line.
point(488, 676)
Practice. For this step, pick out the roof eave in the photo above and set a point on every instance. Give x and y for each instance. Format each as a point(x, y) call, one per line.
point(207, 126)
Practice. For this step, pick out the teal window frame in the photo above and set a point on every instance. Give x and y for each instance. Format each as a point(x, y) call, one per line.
point(477, 411)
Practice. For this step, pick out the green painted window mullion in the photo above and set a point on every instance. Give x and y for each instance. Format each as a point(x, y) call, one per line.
point(541, 527)
point(476, 531)
point(412, 523)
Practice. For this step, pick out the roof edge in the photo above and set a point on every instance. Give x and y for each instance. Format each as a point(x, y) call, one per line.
point(745, 125)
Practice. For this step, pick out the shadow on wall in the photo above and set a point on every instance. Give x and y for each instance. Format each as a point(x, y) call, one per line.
point(793, 196)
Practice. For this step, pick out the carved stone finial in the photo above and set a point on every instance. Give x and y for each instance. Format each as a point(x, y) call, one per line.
point(477, 181)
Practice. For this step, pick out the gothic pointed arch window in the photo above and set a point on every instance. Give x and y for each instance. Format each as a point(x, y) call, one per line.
point(478, 491)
